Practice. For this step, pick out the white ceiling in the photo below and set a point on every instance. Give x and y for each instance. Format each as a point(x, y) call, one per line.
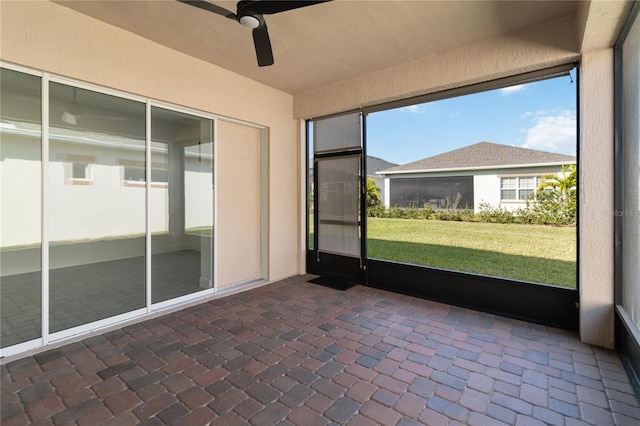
point(325, 43)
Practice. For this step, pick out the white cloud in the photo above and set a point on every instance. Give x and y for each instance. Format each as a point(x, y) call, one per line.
point(416, 109)
point(544, 112)
point(554, 133)
point(513, 89)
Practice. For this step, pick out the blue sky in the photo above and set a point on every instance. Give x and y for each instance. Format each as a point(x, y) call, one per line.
point(540, 115)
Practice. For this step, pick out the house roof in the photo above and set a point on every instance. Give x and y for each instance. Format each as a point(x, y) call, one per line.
point(483, 155)
point(375, 164)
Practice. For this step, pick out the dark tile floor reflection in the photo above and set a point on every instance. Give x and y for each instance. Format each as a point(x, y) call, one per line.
point(86, 293)
point(297, 353)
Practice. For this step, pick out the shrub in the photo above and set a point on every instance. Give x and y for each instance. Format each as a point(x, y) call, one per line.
point(427, 210)
point(491, 214)
point(412, 212)
point(377, 210)
point(395, 212)
point(551, 208)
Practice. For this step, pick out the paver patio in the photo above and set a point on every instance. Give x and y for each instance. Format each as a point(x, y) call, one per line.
point(299, 353)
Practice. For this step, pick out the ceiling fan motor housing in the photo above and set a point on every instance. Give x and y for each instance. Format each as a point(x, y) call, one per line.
point(249, 14)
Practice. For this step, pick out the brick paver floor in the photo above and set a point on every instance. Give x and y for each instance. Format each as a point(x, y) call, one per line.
point(298, 353)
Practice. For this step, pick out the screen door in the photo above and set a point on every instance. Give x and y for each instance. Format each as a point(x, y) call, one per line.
point(338, 158)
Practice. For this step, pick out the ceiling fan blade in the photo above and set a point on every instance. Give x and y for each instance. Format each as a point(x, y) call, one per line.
point(263, 45)
point(210, 7)
point(269, 7)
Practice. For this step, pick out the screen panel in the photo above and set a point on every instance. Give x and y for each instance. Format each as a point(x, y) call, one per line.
point(337, 133)
point(338, 205)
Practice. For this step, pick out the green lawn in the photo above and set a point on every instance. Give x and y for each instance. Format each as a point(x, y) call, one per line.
point(537, 253)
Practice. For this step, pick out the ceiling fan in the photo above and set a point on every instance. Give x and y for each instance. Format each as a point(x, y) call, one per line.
point(250, 13)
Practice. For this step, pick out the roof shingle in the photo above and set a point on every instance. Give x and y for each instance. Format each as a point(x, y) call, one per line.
point(482, 155)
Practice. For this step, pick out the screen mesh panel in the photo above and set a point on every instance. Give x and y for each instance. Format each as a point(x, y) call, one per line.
point(338, 206)
point(337, 133)
point(437, 192)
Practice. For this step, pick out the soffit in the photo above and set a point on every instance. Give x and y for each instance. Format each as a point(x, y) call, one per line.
point(326, 43)
point(600, 23)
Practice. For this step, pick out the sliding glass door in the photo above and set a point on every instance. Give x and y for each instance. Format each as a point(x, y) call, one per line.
point(124, 220)
point(20, 204)
point(108, 207)
point(96, 219)
point(181, 197)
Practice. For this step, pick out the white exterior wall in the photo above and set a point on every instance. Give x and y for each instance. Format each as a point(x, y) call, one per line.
point(380, 181)
point(20, 180)
point(106, 189)
point(199, 205)
point(486, 189)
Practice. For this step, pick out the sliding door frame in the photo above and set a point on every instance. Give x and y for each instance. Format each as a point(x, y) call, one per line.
point(47, 338)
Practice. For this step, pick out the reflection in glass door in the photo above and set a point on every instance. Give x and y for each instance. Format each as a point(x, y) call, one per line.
point(181, 204)
point(96, 216)
point(20, 201)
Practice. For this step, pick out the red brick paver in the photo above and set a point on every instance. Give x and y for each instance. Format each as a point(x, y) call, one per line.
point(298, 353)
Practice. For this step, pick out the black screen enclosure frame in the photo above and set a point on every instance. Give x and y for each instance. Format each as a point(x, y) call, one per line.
point(533, 302)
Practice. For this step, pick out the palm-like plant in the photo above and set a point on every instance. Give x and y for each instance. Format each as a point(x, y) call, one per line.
point(555, 199)
point(373, 193)
point(565, 182)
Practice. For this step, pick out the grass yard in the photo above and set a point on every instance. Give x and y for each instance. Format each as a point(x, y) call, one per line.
point(537, 253)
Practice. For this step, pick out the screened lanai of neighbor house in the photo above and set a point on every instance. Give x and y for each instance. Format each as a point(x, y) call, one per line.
point(152, 158)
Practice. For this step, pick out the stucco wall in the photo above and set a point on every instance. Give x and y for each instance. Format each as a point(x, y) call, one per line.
point(52, 38)
point(238, 203)
point(596, 198)
point(533, 48)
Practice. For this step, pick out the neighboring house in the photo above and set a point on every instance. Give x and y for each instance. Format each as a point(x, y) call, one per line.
point(499, 175)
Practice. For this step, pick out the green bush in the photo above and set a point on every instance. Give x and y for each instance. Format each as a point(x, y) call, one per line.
point(427, 210)
point(412, 212)
point(377, 210)
point(395, 212)
point(551, 208)
point(491, 214)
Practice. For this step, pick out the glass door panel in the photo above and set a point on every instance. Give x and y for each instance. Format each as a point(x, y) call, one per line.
point(181, 204)
point(96, 216)
point(20, 204)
